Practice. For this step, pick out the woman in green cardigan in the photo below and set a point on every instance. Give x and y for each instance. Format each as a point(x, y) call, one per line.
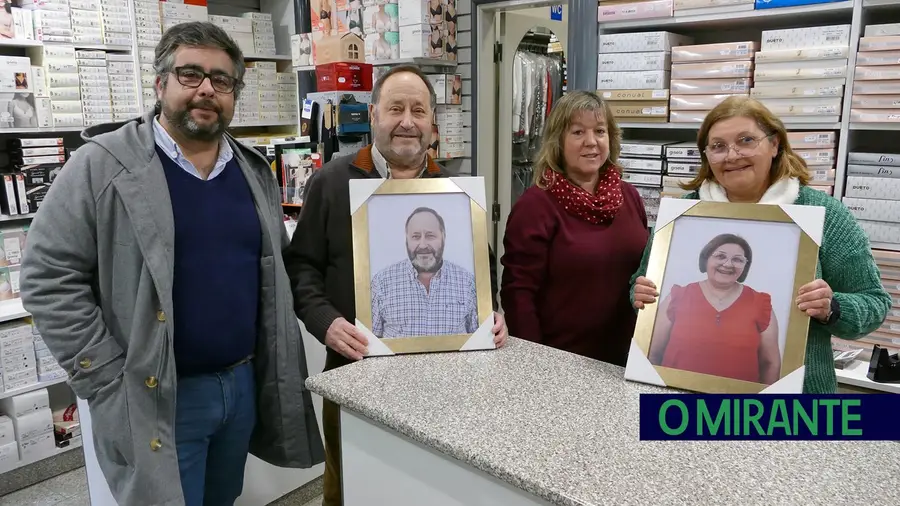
point(746, 157)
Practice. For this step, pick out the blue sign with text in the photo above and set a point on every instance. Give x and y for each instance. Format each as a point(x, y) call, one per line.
point(556, 12)
point(692, 417)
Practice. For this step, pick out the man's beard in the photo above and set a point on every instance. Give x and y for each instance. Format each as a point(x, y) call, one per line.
point(426, 267)
point(406, 156)
point(182, 120)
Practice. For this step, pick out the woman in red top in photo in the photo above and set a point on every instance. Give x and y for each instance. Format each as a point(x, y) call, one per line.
point(573, 238)
point(719, 326)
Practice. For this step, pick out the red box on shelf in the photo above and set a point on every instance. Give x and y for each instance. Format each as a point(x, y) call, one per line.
point(344, 76)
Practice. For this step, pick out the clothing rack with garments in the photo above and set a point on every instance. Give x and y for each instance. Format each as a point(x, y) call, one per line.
point(537, 85)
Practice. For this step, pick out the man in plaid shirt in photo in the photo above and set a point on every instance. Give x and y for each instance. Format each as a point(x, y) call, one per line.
point(424, 295)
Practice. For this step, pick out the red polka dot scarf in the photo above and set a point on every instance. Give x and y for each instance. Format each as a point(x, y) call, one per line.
point(598, 208)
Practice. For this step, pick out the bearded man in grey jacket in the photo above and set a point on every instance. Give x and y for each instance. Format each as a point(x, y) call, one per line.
point(154, 272)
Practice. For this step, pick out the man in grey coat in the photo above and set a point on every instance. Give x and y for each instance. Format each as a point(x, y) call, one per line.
point(154, 272)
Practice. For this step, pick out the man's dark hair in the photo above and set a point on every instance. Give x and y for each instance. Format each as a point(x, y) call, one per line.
point(420, 210)
point(197, 34)
point(721, 240)
point(412, 69)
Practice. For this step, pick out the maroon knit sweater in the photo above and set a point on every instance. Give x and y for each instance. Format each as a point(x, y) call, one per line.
point(566, 282)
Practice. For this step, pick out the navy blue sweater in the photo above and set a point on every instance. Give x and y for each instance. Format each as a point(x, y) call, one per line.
point(217, 260)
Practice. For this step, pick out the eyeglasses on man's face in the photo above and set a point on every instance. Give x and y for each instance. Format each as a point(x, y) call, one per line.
point(746, 145)
point(192, 77)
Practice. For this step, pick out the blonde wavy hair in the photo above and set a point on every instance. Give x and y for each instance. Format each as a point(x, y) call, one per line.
point(786, 163)
point(558, 124)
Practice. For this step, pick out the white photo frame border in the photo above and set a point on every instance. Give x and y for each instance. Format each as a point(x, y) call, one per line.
point(361, 190)
point(810, 220)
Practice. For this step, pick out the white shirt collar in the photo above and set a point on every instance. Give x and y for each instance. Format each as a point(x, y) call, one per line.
point(168, 144)
point(384, 170)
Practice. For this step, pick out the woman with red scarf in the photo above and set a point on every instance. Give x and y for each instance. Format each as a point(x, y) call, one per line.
point(574, 238)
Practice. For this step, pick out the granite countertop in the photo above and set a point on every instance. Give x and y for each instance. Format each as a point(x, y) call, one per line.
point(565, 428)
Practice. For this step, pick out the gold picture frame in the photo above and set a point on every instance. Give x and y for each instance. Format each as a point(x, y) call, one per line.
point(809, 221)
point(362, 193)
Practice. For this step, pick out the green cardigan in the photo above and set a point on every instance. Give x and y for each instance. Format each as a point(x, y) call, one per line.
point(847, 265)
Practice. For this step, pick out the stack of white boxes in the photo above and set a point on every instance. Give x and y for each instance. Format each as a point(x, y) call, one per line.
point(646, 157)
point(819, 151)
point(682, 165)
point(123, 87)
point(51, 20)
point(704, 75)
point(9, 448)
point(16, 76)
point(873, 192)
point(87, 24)
point(148, 77)
point(707, 7)
point(60, 69)
point(96, 97)
point(48, 369)
point(247, 107)
point(448, 95)
point(177, 13)
point(800, 73)
point(449, 121)
point(32, 423)
point(116, 18)
point(22, 27)
point(240, 29)
point(876, 82)
point(263, 32)
point(633, 74)
point(17, 360)
point(421, 32)
point(380, 30)
point(267, 72)
point(288, 100)
point(148, 23)
point(644, 166)
point(42, 107)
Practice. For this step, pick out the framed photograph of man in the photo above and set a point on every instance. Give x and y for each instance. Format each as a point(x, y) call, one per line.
point(420, 259)
point(727, 275)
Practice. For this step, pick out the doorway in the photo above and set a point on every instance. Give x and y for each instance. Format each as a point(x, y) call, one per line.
point(521, 73)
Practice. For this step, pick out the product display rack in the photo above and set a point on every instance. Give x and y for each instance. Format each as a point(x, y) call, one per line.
point(748, 25)
point(19, 47)
point(805, 15)
point(21, 473)
point(852, 137)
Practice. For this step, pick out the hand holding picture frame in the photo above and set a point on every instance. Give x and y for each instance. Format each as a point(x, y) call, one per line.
point(727, 274)
point(421, 267)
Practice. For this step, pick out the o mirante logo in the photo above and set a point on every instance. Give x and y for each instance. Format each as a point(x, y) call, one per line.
point(769, 416)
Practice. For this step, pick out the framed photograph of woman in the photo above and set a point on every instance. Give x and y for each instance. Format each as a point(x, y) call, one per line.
point(420, 261)
point(726, 321)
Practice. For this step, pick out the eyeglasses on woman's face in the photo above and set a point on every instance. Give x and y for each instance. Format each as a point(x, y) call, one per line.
point(722, 258)
point(746, 145)
point(192, 77)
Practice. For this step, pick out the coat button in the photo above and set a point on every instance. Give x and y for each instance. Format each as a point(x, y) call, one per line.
point(85, 363)
point(155, 444)
point(161, 316)
point(151, 382)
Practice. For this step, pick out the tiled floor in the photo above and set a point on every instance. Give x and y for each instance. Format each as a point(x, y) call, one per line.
point(70, 489)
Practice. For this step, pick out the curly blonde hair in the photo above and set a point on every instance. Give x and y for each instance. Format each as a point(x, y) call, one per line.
point(786, 163)
point(558, 124)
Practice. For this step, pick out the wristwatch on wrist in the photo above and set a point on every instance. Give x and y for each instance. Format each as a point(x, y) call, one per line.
point(834, 314)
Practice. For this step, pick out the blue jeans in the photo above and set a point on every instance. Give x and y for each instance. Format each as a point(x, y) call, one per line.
point(214, 418)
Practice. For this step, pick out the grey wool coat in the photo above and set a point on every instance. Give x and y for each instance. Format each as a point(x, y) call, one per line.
point(97, 277)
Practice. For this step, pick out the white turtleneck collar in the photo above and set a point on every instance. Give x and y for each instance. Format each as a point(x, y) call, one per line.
point(783, 191)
